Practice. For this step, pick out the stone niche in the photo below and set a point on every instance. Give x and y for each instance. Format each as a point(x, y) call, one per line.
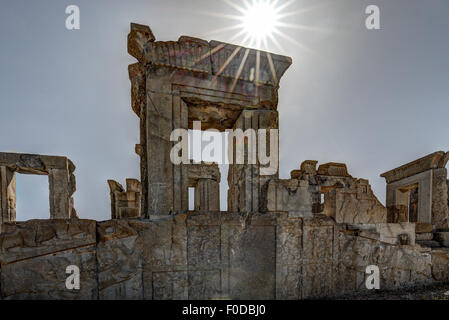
point(177, 82)
point(61, 180)
point(417, 191)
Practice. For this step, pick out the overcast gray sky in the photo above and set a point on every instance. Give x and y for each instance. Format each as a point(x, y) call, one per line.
point(374, 99)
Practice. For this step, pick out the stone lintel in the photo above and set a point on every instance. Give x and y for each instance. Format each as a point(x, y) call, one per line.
point(197, 171)
point(204, 88)
point(333, 169)
point(33, 163)
point(214, 57)
point(432, 161)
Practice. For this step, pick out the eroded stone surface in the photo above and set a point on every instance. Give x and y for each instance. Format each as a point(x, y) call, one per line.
point(34, 257)
point(205, 256)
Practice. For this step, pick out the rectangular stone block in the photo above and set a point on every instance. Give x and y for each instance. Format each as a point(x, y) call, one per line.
point(172, 285)
point(204, 285)
point(34, 238)
point(440, 263)
point(44, 277)
point(203, 247)
point(288, 282)
point(390, 232)
point(119, 258)
point(252, 262)
point(164, 256)
point(316, 280)
point(317, 243)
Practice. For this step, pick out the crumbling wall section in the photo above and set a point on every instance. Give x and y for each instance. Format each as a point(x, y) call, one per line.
point(205, 256)
point(355, 205)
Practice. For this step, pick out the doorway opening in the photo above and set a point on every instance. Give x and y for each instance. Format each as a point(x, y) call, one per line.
point(32, 194)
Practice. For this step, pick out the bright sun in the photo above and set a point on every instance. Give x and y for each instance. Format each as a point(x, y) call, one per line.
point(260, 21)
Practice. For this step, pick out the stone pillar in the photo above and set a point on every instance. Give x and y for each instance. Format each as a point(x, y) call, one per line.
point(167, 182)
point(164, 186)
point(247, 187)
point(7, 195)
point(137, 75)
point(60, 204)
point(207, 195)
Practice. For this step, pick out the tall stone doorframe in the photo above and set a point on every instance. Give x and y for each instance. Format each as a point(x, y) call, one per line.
point(61, 180)
point(177, 82)
point(418, 192)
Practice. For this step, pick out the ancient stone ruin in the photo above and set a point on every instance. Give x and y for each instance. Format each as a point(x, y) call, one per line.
point(310, 236)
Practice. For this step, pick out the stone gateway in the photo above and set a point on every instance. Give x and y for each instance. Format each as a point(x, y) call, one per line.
point(310, 236)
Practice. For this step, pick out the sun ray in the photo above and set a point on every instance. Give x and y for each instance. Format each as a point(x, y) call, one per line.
point(285, 5)
point(247, 4)
point(246, 40)
point(240, 69)
point(276, 42)
point(221, 15)
point(273, 70)
point(229, 28)
point(260, 23)
point(235, 6)
point(257, 67)
point(265, 43)
point(302, 27)
point(233, 54)
point(290, 39)
point(274, 3)
point(304, 10)
point(211, 52)
point(237, 35)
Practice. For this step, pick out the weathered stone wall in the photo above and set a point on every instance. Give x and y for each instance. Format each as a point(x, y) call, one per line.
point(205, 256)
point(357, 204)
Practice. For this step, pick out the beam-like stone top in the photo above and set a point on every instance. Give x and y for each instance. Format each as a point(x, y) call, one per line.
point(197, 171)
point(333, 169)
point(432, 161)
point(34, 163)
point(213, 57)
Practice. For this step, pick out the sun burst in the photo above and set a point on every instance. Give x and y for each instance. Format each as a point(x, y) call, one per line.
point(260, 23)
